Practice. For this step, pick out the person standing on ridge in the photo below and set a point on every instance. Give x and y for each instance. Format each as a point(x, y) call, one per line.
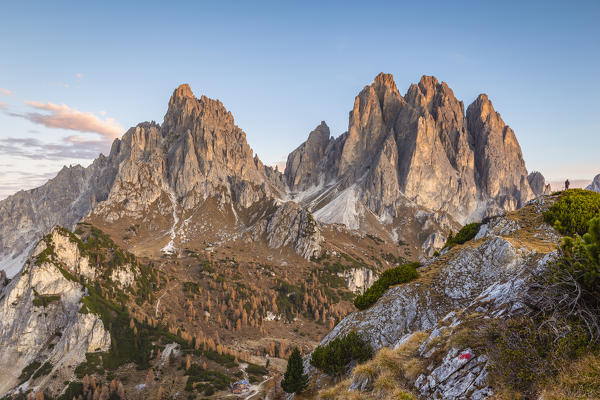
point(567, 183)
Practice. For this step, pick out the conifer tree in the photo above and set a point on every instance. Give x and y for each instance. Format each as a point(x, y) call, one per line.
point(294, 380)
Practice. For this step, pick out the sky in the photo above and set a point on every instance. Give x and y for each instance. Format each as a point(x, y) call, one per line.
point(76, 75)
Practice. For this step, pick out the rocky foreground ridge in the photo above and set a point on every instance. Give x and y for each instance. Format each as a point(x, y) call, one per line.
point(438, 314)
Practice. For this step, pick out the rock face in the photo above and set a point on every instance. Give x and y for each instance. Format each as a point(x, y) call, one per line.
point(595, 185)
point(420, 148)
point(302, 167)
point(63, 200)
point(40, 319)
point(484, 278)
point(538, 184)
point(197, 152)
point(162, 170)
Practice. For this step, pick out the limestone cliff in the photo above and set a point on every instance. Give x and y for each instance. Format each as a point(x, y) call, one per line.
point(63, 200)
point(420, 148)
point(41, 326)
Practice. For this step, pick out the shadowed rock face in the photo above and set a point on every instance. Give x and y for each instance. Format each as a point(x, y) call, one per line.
point(63, 200)
point(421, 147)
point(302, 167)
point(595, 185)
point(538, 184)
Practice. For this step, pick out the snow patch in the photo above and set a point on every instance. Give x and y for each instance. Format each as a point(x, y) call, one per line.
point(344, 209)
point(12, 264)
point(170, 247)
point(308, 193)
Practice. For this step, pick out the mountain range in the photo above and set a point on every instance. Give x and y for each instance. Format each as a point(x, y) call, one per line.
point(420, 151)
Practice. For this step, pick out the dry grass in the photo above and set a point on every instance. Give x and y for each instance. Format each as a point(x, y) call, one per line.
point(387, 375)
point(580, 380)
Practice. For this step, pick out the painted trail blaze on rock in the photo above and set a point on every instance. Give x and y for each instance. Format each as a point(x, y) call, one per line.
point(465, 356)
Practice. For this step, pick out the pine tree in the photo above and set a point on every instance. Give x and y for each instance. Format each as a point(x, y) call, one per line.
point(294, 380)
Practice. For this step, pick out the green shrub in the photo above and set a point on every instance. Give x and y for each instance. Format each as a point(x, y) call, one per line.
point(581, 258)
point(334, 357)
point(527, 352)
point(524, 353)
point(45, 369)
point(393, 276)
point(74, 389)
point(197, 374)
point(571, 213)
point(256, 369)
point(227, 360)
point(191, 287)
point(44, 300)
point(465, 234)
point(289, 298)
point(28, 371)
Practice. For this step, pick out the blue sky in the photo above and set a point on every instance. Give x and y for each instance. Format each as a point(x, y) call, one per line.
point(282, 67)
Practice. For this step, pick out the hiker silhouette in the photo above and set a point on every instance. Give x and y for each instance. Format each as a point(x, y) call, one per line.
point(567, 184)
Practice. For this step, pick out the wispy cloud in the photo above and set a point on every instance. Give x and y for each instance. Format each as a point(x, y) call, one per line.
point(65, 117)
point(12, 181)
point(5, 91)
point(71, 147)
point(2, 105)
point(79, 75)
point(68, 148)
point(79, 146)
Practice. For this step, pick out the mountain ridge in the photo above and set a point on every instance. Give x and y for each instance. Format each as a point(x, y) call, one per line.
point(381, 167)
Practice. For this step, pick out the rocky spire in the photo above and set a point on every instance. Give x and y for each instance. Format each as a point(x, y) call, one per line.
point(538, 184)
point(499, 161)
point(372, 118)
point(302, 167)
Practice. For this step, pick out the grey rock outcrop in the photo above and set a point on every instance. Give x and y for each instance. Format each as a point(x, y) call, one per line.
point(482, 279)
point(53, 331)
point(595, 185)
point(63, 200)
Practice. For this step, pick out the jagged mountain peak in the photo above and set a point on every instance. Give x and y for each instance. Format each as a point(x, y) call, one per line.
point(321, 131)
point(186, 112)
point(383, 83)
point(431, 95)
point(183, 90)
point(483, 107)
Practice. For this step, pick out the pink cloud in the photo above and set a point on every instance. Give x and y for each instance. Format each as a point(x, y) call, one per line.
point(65, 117)
point(5, 91)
